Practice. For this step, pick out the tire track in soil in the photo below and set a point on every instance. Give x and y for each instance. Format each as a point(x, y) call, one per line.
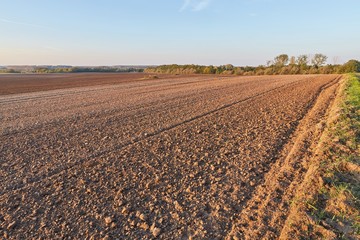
point(266, 211)
point(114, 112)
point(20, 185)
point(132, 94)
point(78, 134)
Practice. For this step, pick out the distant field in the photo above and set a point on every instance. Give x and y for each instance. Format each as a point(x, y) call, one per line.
point(111, 155)
point(22, 83)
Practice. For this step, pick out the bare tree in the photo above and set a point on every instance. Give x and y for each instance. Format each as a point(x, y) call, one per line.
point(281, 60)
point(336, 60)
point(292, 60)
point(318, 60)
point(302, 60)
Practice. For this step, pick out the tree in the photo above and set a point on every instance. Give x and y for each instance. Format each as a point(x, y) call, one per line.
point(281, 60)
point(292, 60)
point(302, 60)
point(318, 60)
point(229, 67)
point(209, 70)
point(220, 69)
point(351, 66)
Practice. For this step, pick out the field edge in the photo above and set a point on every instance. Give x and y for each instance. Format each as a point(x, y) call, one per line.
point(326, 205)
point(265, 213)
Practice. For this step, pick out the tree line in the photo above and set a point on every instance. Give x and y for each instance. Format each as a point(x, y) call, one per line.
point(71, 70)
point(280, 65)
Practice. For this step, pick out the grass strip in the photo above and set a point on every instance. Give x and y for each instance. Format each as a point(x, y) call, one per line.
point(336, 207)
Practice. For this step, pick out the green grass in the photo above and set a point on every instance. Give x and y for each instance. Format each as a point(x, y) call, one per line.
point(343, 149)
point(353, 90)
point(352, 104)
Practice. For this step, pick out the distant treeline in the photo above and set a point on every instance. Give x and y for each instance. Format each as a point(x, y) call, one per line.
point(282, 64)
point(70, 70)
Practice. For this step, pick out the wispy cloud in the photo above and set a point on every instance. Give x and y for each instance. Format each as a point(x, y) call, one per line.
point(195, 5)
point(52, 48)
point(22, 23)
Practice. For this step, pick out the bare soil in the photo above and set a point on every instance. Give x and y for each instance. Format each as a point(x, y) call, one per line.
point(23, 83)
point(192, 157)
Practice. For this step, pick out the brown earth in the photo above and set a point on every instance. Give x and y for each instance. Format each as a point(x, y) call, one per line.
point(192, 157)
point(23, 83)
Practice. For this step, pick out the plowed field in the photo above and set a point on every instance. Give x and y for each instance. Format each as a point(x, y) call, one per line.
point(201, 156)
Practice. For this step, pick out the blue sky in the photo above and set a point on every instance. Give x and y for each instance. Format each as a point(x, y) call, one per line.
point(240, 32)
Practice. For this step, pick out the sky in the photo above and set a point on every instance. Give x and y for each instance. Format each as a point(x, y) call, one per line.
point(153, 32)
